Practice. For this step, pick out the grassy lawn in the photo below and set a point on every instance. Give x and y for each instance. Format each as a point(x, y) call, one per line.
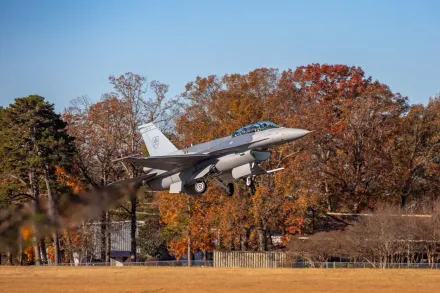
point(169, 279)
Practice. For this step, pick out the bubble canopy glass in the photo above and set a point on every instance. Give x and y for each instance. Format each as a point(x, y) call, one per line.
point(254, 127)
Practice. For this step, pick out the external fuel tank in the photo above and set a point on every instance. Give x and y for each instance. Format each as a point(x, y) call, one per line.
point(236, 165)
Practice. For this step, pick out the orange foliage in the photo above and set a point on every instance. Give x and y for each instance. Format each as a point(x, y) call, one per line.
point(65, 178)
point(322, 170)
point(25, 232)
point(178, 248)
point(30, 253)
point(51, 253)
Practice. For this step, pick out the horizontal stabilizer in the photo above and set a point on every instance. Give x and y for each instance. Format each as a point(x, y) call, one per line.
point(124, 158)
point(134, 180)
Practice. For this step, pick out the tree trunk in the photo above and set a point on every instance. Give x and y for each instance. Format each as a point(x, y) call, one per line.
point(43, 251)
point(269, 238)
point(9, 256)
point(56, 243)
point(35, 237)
point(244, 239)
point(133, 228)
point(52, 213)
point(37, 252)
point(189, 232)
point(261, 239)
point(34, 190)
point(20, 251)
point(403, 201)
point(69, 249)
point(189, 250)
point(204, 256)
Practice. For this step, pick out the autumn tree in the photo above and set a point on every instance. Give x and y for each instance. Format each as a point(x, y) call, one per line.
point(139, 108)
point(343, 165)
point(355, 120)
point(217, 107)
point(187, 224)
point(415, 154)
point(107, 130)
point(99, 129)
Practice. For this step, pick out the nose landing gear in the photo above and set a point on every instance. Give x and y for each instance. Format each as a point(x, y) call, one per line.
point(249, 181)
point(250, 184)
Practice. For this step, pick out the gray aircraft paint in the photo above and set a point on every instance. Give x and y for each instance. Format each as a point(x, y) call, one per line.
point(227, 158)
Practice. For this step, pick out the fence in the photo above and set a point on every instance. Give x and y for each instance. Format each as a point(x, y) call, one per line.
point(272, 264)
point(250, 259)
point(166, 263)
point(253, 259)
point(363, 265)
point(284, 264)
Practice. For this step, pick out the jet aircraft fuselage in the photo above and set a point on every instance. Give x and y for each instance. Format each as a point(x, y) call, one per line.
point(224, 160)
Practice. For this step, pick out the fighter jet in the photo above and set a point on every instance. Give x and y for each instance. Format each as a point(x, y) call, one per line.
point(223, 160)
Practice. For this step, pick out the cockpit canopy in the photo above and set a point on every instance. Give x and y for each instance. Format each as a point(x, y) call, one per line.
point(254, 127)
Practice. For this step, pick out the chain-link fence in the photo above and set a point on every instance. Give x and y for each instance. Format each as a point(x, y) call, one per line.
point(167, 263)
point(284, 264)
point(363, 265)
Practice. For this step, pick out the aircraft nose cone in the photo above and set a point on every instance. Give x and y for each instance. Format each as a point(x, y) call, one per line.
point(290, 134)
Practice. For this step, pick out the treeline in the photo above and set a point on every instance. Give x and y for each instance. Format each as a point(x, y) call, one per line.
point(369, 148)
point(385, 237)
point(55, 170)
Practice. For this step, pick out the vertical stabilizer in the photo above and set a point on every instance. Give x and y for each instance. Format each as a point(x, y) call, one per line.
point(157, 143)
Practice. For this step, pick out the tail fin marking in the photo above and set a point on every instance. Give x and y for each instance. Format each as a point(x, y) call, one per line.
point(157, 143)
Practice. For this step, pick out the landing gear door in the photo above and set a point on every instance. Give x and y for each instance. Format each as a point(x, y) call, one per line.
point(176, 187)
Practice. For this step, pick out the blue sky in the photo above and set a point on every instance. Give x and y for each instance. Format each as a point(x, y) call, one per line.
point(65, 49)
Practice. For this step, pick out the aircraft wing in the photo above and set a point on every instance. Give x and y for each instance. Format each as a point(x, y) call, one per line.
point(169, 162)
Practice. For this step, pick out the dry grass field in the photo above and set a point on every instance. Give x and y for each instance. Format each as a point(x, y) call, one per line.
point(166, 279)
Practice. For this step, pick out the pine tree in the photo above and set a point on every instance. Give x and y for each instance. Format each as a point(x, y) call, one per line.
point(33, 142)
